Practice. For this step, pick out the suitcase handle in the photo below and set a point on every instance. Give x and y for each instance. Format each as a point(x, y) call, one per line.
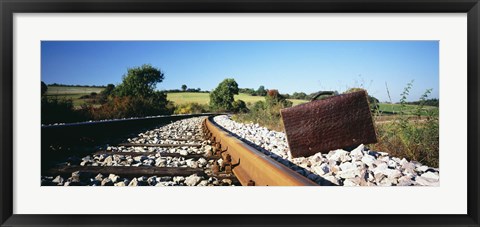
point(318, 94)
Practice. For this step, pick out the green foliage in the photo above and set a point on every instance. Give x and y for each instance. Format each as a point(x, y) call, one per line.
point(108, 90)
point(135, 96)
point(411, 136)
point(266, 113)
point(222, 97)
point(139, 82)
point(261, 91)
point(131, 106)
point(239, 106)
point(44, 88)
point(299, 95)
point(426, 102)
point(184, 88)
point(106, 93)
point(191, 108)
point(249, 91)
point(59, 111)
point(274, 98)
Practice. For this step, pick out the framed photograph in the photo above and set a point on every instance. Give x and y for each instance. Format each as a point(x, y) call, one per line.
point(266, 96)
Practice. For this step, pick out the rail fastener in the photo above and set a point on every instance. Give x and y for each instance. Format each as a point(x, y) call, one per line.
point(250, 166)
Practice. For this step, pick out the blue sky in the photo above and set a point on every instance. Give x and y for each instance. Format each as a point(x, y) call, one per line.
point(289, 66)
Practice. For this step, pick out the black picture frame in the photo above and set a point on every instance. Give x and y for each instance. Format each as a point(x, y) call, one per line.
point(9, 7)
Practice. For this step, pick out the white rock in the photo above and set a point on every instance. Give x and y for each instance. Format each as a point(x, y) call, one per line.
point(114, 178)
point(208, 148)
point(357, 153)
point(202, 161)
point(178, 179)
point(394, 173)
point(58, 180)
point(107, 182)
point(347, 166)
point(203, 183)
point(348, 173)
point(391, 163)
point(422, 168)
point(121, 183)
point(431, 175)
point(192, 180)
point(386, 182)
point(368, 160)
point(133, 182)
point(108, 161)
point(321, 169)
point(404, 181)
point(381, 168)
point(183, 152)
point(140, 158)
point(426, 181)
point(227, 181)
point(352, 182)
point(99, 177)
point(160, 162)
point(336, 155)
point(149, 162)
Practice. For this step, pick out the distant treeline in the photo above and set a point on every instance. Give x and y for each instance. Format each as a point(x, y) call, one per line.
point(77, 85)
point(186, 90)
point(262, 91)
point(428, 102)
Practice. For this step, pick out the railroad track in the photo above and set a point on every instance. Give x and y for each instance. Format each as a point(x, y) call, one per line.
point(190, 152)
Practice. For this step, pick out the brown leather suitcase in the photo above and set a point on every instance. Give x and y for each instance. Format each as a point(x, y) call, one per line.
point(339, 121)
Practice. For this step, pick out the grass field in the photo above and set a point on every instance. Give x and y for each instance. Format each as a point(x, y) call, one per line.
point(387, 108)
point(54, 90)
point(204, 98)
point(188, 97)
point(73, 93)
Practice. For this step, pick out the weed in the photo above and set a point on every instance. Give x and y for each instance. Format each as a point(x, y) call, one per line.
point(411, 136)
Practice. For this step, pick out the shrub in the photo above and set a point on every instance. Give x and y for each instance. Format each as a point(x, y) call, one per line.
point(139, 82)
point(56, 110)
point(239, 106)
point(274, 98)
point(410, 136)
point(128, 106)
point(266, 113)
point(222, 97)
point(191, 108)
point(44, 88)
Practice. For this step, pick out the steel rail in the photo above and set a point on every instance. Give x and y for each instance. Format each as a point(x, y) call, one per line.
point(252, 167)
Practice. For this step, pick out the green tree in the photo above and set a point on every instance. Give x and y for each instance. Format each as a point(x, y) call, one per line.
point(299, 95)
point(108, 90)
point(105, 93)
point(261, 91)
point(239, 106)
point(136, 95)
point(222, 97)
point(184, 88)
point(274, 98)
point(139, 82)
point(44, 88)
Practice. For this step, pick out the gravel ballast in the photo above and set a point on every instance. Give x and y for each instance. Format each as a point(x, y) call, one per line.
point(358, 167)
point(187, 131)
